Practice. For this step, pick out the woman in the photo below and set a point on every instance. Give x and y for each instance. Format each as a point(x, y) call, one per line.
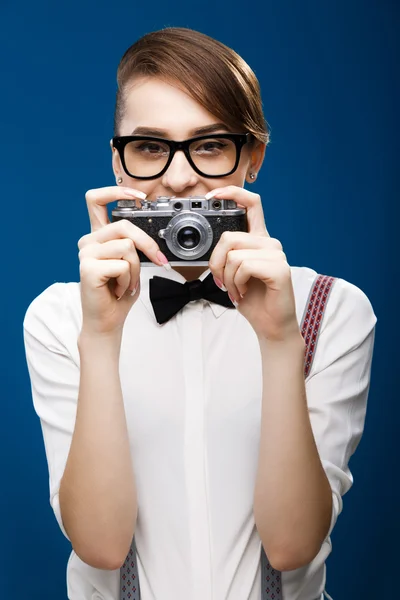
point(195, 435)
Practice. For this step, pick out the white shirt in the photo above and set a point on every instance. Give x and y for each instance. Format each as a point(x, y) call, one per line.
point(192, 391)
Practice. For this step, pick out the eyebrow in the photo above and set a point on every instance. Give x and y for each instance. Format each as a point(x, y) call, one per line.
point(215, 127)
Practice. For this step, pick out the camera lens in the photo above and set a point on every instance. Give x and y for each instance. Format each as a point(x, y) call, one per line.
point(188, 237)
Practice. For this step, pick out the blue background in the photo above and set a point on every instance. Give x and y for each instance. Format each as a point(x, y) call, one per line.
point(329, 185)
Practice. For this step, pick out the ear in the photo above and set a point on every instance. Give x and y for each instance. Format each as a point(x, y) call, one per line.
point(116, 162)
point(257, 155)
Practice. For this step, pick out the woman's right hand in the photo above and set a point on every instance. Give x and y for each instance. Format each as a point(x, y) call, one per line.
point(109, 263)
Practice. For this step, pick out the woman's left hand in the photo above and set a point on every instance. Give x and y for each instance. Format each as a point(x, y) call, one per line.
point(253, 268)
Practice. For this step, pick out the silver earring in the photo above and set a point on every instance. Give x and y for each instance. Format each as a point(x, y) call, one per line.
point(253, 175)
point(119, 180)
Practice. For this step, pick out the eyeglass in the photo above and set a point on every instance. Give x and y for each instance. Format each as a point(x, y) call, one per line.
point(147, 157)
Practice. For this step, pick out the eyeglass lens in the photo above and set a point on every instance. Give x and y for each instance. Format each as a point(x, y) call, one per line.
point(212, 156)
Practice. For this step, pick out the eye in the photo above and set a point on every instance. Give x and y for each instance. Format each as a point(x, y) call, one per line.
point(210, 147)
point(151, 148)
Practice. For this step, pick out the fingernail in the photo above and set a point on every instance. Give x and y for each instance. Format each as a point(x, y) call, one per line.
point(164, 260)
point(135, 193)
point(133, 292)
point(220, 284)
point(211, 194)
point(236, 304)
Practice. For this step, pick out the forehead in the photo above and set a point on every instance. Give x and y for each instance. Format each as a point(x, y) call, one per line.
point(152, 102)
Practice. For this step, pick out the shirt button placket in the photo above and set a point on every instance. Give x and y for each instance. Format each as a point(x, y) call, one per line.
point(195, 450)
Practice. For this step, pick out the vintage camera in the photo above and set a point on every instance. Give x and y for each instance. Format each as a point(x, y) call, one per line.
point(186, 229)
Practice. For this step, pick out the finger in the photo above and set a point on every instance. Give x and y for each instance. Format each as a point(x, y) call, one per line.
point(126, 229)
point(249, 200)
point(97, 273)
point(273, 272)
point(233, 261)
point(97, 200)
point(236, 285)
point(123, 249)
point(236, 240)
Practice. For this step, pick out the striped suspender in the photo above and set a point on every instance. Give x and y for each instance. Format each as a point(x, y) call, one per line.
point(271, 586)
point(313, 315)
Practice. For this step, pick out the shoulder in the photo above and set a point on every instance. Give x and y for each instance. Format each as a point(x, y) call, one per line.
point(349, 307)
point(56, 309)
point(348, 319)
point(347, 302)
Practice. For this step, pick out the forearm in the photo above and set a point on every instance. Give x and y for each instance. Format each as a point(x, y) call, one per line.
point(293, 499)
point(97, 492)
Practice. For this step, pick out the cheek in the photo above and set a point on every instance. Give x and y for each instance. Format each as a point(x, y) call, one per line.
point(239, 176)
point(148, 187)
point(237, 179)
point(142, 186)
point(151, 188)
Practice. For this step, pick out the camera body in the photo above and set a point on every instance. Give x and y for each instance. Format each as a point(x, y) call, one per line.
point(186, 229)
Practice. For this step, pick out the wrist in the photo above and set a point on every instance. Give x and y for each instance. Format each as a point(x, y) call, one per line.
point(292, 345)
point(96, 340)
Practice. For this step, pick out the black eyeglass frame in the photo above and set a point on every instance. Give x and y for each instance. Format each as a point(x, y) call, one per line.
point(240, 139)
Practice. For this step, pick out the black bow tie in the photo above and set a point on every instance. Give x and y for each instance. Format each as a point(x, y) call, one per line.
point(168, 297)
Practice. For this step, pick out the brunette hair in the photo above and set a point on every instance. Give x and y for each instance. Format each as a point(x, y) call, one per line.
point(212, 73)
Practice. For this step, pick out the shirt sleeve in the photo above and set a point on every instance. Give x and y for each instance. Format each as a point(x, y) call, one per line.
point(338, 384)
point(54, 377)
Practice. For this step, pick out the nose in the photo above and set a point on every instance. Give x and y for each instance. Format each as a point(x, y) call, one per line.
point(179, 176)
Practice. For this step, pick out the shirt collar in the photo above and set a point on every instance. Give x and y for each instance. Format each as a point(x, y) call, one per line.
point(147, 272)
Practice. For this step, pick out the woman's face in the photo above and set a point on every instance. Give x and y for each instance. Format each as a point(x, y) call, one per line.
point(153, 104)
